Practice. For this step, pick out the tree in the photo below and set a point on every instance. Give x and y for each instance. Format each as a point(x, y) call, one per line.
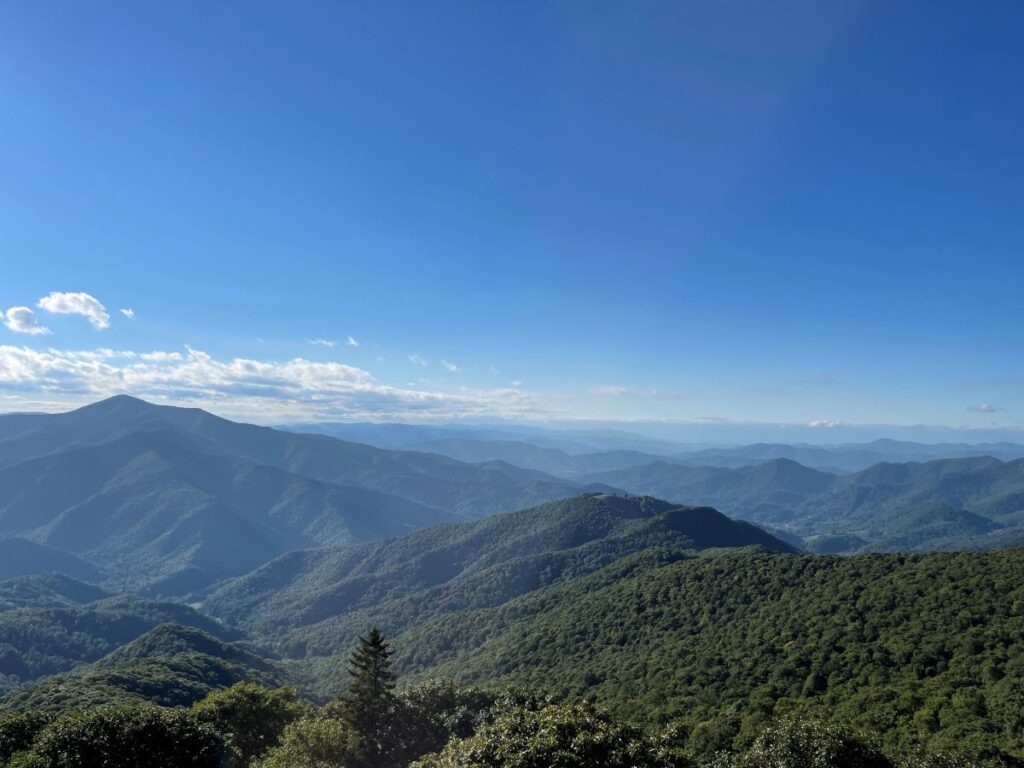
point(556, 736)
point(128, 737)
point(19, 730)
point(810, 743)
point(313, 742)
point(250, 718)
point(369, 706)
point(370, 666)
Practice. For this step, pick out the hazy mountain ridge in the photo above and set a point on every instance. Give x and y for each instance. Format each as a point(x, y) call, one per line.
point(315, 603)
point(970, 502)
point(171, 500)
point(567, 452)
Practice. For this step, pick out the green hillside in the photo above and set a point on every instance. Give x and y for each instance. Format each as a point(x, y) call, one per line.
point(171, 665)
point(36, 642)
point(317, 602)
point(922, 649)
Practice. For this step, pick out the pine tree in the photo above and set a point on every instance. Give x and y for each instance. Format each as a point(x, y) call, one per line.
point(370, 666)
point(369, 705)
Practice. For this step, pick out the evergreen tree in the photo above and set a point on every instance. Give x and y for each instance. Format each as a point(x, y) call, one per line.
point(369, 706)
point(370, 666)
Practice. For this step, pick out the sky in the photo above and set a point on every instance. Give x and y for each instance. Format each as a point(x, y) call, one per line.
point(732, 216)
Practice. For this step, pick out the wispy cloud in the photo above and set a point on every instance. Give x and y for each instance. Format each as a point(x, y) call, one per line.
point(351, 342)
point(322, 342)
point(984, 408)
point(79, 303)
point(452, 367)
point(631, 392)
point(23, 320)
point(128, 312)
point(417, 360)
point(257, 390)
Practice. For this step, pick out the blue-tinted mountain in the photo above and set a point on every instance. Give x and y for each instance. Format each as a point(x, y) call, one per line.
point(315, 603)
point(469, 490)
point(152, 510)
point(20, 557)
point(973, 502)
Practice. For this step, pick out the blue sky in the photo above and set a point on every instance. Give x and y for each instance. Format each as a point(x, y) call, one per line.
point(692, 213)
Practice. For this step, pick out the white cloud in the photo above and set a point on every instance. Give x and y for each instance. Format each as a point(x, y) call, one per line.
point(984, 408)
point(77, 304)
point(416, 359)
point(257, 390)
point(650, 394)
point(161, 357)
point(612, 391)
point(322, 342)
point(450, 366)
point(351, 342)
point(128, 312)
point(23, 320)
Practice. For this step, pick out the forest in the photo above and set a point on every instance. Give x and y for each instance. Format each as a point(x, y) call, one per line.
point(434, 724)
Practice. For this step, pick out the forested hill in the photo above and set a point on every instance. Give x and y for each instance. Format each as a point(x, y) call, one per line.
point(316, 602)
point(921, 650)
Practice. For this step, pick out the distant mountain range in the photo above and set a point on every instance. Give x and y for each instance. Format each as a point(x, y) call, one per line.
point(170, 500)
point(944, 504)
point(570, 453)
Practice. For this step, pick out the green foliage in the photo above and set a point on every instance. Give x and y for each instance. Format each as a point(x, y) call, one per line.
point(37, 642)
point(807, 743)
point(313, 742)
point(555, 736)
point(18, 731)
point(923, 650)
point(171, 666)
point(250, 718)
point(369, 707)
point(436, 711)
point(127, 737)
point(317, 603)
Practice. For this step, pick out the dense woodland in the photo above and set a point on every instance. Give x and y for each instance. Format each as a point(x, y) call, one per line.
point(436, 724)
point(669, 657)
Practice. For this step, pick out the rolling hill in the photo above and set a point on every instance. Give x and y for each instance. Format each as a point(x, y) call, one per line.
point(315, 603)
point(172, 665)
point(163, 516)
point(975, 502)
point(169, 500)
point(37, 642)
point(923, 650)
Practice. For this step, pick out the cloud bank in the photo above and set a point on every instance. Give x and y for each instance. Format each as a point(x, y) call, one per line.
point(257, 390)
